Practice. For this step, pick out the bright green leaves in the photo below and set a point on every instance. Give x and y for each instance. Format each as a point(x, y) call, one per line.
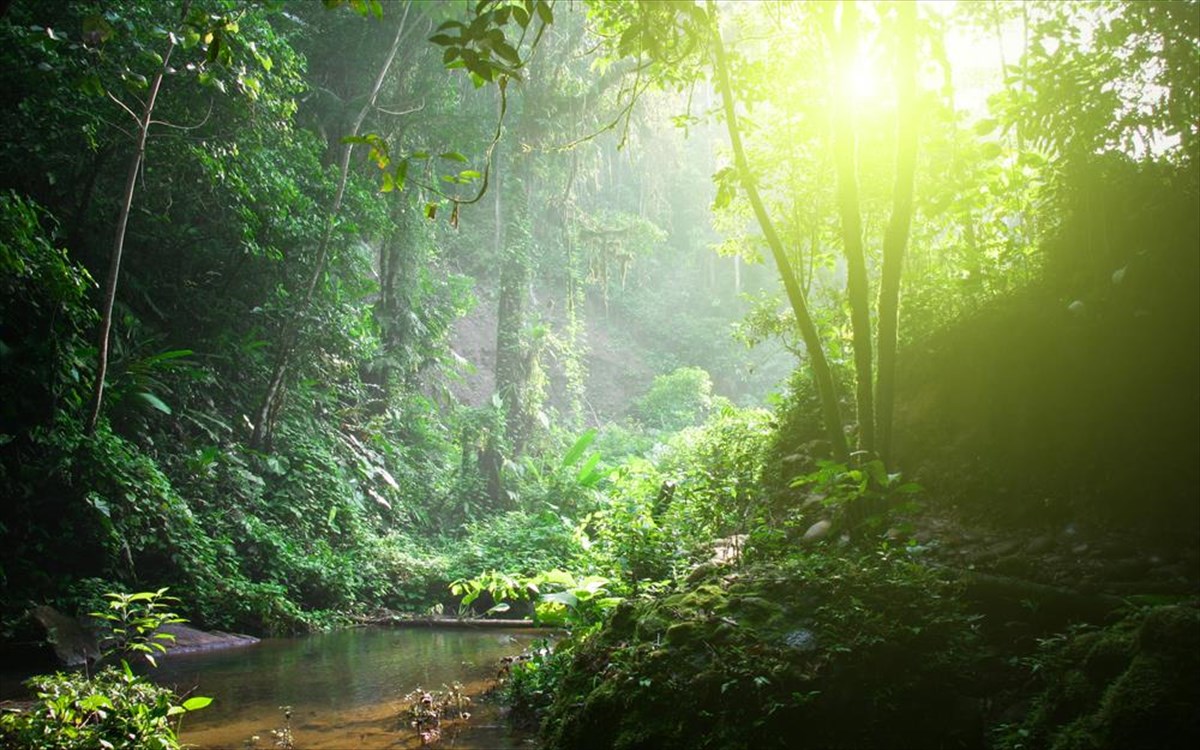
point(726, 180)
point(576, 451)
point(559, 597)
point(134, 621)
point(194, 703)
point(482, 47)
point(395, 179)
point(378, 148)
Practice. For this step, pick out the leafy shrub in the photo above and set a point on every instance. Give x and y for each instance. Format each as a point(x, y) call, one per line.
point(626, 539)
point(532, 679)
point(132, 622)
point(676, 400)
point(400, 573)
point(558, 597)
point(112, 709)
point(717, 470)
point(517, 542)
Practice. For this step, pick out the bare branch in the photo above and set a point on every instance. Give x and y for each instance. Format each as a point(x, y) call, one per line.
point(186, 127)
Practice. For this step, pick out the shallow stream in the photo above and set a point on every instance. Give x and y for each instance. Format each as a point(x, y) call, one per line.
point(345, 688)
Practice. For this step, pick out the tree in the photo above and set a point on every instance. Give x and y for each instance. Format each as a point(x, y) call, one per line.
point(858, 290)
point(114, 268)
point(813, 345)
point(895, 239)
point(261, 434)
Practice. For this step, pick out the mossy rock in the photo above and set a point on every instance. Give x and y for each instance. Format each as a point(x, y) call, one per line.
point(712, 666)
point(1130, 685)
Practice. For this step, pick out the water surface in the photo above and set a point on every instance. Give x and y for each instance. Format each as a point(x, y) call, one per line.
point(345, 688)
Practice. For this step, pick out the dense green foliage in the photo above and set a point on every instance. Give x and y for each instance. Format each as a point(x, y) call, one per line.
point(313, 311)
point(113, 708)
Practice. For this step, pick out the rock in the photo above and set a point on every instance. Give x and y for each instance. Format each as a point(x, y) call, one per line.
point(728, 549)
point(189, 639)
point(73, 644)
point(817, 531)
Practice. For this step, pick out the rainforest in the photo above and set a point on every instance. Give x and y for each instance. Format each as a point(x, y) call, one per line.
point(601, 374)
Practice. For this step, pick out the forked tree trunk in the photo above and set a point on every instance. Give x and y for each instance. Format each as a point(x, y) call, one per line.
point(822, 374)
point(895, 240)
point(857, 286)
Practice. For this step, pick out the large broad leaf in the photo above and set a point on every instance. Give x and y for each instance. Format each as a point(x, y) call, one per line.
point(559, 577)
point(588, 475)
point(196, 703)
point(580, 446)
point(154, 401)
point(565, 598)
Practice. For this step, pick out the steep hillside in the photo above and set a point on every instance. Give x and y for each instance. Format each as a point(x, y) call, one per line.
point(1077, 399)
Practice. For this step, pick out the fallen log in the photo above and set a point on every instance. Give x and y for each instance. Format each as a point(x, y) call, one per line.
point(445, 622)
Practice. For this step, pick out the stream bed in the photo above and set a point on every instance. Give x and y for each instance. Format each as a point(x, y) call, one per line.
point(346, 688)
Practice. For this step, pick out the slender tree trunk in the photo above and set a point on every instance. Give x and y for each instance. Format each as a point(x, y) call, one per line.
point(511, 347)
point(114, 264)
point(857, 286)
point(822, 373)
point(261, 436)
point(895, 239)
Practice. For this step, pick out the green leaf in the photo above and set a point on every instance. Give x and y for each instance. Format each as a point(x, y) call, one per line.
point(986, 126)
point(164, 356)
point(565, 598)
point(153, 401)
point(581, 445)
point(453, 156)
point(196, 703)
point(544, 12)
point(92, 702)
point(588, 471)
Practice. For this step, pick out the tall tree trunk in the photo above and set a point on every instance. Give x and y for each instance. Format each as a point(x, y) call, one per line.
point(822, 374)
point(263, 425)
point(857, 286)
point(511, 348)
point(114, 264)
point(895, 240)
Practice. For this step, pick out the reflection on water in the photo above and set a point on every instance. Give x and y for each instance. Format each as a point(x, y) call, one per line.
point(345, 688)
